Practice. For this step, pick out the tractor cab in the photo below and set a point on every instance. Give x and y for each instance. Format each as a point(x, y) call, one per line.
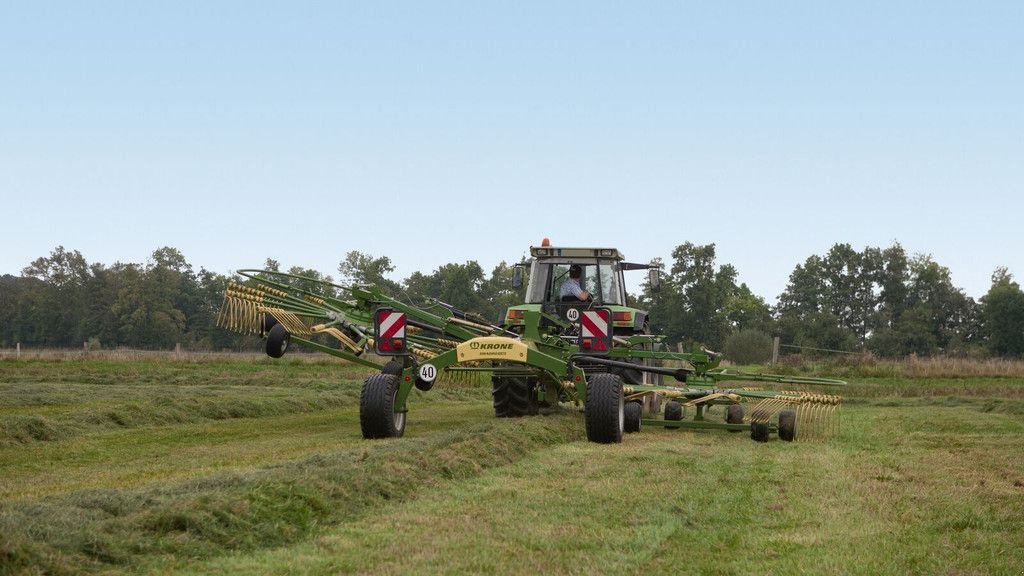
point(602, 277)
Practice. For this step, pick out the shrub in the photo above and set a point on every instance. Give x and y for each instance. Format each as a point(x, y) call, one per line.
point(748, 347)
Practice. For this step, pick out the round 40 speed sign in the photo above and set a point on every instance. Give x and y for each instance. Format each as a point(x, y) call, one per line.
point(428, 372)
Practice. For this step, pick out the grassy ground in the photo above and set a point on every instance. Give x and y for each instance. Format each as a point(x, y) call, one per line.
point(212, 467)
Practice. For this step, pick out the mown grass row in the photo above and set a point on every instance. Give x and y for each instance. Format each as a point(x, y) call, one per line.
point(910, 491)
point(901, 491)
point(56, 400)
point(269, 506)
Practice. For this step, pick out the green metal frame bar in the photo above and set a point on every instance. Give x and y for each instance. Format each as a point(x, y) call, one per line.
point(337, 353)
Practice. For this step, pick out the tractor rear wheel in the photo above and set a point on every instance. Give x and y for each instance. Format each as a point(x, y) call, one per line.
point(604, 410)
point(673, 412)
point(377, 416)
point(513, 397)
point(787, 425)
point(277, 341)
point(633, 417)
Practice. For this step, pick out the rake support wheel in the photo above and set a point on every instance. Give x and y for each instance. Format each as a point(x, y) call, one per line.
point(633, 417)
point(277, 341)
point(674, 412)
point(604, 410)
point(759, 426)
point(377, 416)
point(787, 425)
point(734, 415)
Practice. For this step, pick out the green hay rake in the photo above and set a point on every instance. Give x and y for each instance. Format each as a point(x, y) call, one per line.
point(546, 357)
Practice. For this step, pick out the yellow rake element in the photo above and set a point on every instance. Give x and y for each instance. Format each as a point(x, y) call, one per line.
point(631, 394)
point(243, 313)
point(816, 414)
point(711, 397)
point(239, 315)
point(290, 321)
point(257, 291)
point(339, 336)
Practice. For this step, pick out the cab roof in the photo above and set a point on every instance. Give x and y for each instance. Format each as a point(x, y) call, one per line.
point(566, 252)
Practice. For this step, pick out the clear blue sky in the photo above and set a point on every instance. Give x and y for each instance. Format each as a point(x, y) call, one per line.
point(441, 132)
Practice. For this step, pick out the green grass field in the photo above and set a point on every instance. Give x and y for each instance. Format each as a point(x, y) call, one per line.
point(213, 467)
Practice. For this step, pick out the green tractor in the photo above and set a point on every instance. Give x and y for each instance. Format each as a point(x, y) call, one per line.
point(602, 277)
point(600, 273)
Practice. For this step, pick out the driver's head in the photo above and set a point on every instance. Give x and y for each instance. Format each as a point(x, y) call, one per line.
point(575, 271)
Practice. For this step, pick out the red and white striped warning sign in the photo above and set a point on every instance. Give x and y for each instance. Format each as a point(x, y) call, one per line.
point(594, 324)
point(390, 332)
point(391, 324)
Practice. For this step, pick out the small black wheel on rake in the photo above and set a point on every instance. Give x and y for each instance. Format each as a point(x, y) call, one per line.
point(604, 410)
point(787, 425)
point(633, 417)
point(759, 426)
point(277, 341)
point(673, 411)
point(734, 415)
point(377, 416)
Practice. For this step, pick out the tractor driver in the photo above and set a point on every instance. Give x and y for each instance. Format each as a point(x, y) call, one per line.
point(571, 290)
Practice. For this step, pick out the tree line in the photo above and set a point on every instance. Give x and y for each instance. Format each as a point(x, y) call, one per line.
point(878, 300)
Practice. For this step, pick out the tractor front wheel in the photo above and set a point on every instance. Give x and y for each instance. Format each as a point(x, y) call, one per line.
point(604, 410)
point(377, 416)
point(513, 397)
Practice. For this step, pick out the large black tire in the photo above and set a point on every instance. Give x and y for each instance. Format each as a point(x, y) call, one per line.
point(604, 410)
point(759, 426)
point(632, 417)
point(787, 425)
point(513, 397)
point(277, 341)
point(377, 416)
point(673, 412)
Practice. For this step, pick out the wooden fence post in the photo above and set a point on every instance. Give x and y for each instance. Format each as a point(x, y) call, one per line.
point(775, 351)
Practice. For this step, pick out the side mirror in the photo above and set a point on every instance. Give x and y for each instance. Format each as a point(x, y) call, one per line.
point(517, 277)
point(654, 279)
